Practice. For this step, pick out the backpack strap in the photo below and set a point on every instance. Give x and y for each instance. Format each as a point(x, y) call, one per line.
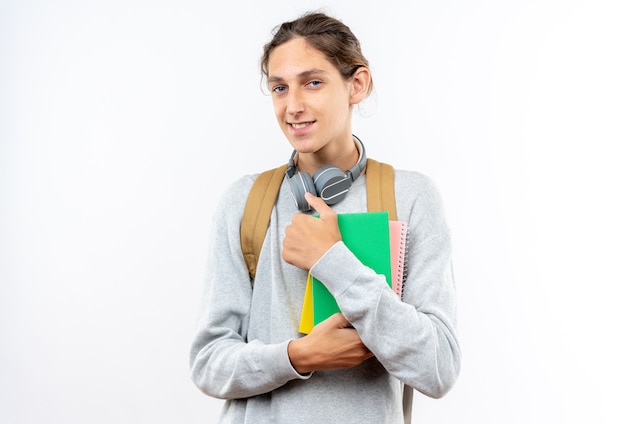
point(379, 185)
point(381, 196)
point(256, 215)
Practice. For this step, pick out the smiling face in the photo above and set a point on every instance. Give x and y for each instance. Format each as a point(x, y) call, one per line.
point(312, 101)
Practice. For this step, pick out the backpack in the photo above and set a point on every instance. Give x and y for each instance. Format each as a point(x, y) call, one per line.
point(379, 186)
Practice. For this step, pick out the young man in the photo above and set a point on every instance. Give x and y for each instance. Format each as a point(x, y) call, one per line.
point(352, 367)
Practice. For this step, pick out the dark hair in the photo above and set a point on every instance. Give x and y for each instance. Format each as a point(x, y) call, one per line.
point(328, 35)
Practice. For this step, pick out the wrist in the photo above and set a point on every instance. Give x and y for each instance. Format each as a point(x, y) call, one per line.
point(298, 357)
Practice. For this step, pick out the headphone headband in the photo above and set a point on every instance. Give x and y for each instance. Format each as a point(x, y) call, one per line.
point(329, 182)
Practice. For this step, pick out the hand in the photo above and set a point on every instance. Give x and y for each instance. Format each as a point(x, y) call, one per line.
point(307, 238)
point(332, 344)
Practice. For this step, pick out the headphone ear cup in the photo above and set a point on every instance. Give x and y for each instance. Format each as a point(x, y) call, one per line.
point(301, 183)
point(331, 183)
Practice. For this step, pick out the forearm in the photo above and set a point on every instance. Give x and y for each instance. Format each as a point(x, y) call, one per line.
point(417, 347)
point(230, 369)
point(414, 340)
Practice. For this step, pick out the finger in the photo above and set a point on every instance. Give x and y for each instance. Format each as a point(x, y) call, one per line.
point(318, 204)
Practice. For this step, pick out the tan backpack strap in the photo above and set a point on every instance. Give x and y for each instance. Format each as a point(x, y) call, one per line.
point(256, 215)
point(380, 188)
point(381, 196)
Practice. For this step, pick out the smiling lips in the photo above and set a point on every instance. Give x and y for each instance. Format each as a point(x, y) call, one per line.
point(300, 125)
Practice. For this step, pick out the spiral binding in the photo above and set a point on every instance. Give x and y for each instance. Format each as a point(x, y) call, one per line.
point(405, 262)
point(400, 270)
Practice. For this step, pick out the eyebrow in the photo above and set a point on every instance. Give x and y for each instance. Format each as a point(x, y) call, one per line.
point(303, 74)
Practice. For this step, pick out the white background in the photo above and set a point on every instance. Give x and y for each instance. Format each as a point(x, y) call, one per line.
point(121, 122)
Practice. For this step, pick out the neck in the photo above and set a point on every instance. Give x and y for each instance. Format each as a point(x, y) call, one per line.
point(344, 156)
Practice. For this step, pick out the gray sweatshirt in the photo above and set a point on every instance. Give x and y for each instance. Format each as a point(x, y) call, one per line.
point(239, 352)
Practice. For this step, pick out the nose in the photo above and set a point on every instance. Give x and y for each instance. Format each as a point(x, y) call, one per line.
point(294, 102)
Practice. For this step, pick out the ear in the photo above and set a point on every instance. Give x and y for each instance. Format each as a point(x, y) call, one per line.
point(359, 85)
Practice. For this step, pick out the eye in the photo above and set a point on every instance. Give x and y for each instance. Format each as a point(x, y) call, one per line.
point(314, 83)
point(279, 89)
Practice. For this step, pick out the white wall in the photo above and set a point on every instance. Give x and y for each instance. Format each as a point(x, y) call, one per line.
point(122, 121)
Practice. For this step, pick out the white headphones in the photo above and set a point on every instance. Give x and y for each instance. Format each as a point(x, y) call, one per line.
point(329, 182)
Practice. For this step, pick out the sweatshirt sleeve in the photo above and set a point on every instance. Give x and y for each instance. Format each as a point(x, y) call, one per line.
point(413, 338)
point(224, 364)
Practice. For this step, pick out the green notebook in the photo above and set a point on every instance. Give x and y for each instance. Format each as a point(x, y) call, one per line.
point(366, 234)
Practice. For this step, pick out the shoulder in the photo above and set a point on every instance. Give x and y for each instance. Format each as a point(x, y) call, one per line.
point(413, 183)
point(233, 198)
point(235, 195)
point(417, 193)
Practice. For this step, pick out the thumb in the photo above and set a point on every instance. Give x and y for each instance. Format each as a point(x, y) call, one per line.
point(318, 204)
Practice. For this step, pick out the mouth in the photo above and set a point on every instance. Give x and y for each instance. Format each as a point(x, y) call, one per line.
point(300, 125)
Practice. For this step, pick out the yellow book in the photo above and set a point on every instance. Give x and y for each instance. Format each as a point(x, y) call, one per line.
point(306, 321)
